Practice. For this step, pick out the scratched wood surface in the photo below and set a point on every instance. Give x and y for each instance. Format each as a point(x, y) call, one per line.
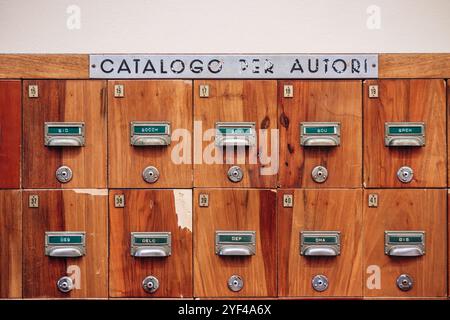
point(416, 100)
point(320, 210)
point(150, 101)
point(235, 210)
point(44, 66)
point(235, 101)
point(321, 101)
point(10, 244)
point(151, 211)
point(65, 101)
point(413, 210)
point(10, 133)
point(66, 210)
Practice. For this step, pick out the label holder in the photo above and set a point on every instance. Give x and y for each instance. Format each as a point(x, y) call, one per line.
point(404, 134)
point(65, 244)
point(150, 135)
point(64, 134)
point(235, 243)
point(320, 134)
point(235, 134)
point(404, 243)
point(320, 243)
point(151, 244)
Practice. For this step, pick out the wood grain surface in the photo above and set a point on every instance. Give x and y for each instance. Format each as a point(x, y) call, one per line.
point(320, 210)
point(151, 211)
point(321, 101)
point(405, 101)
point(234, 101)
point(150, 101)
point(66, 210)
point(65, 101)
point(10, 133)
point(44, 66)
point(414, 65)
point(448, 133)
point(10, 244)
point(235, 210)
point(407, 210)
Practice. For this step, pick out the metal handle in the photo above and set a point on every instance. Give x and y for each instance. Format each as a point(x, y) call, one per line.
point(148, 252)
point(65, 252)
point(151, 141)
point(321, 251)
point(320, 142)
point(64, 142)
point(235, 141)
point(233, 250)
point(405, 251)
point(405, 142)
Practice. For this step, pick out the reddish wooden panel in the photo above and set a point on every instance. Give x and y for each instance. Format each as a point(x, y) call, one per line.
point(10, 244)
point(235, 101)
point(151, 211)
point(66, 210)
point(153, 100)
point(321, 101)
point(320, 210)
point(10, 133)
point(406, 210)
point(235, 210)
point(417, 100)
point(65, 101)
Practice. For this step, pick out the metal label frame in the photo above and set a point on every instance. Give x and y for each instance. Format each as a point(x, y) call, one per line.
point(248, 246)
point(320, 139)
point(164, 248)
point(233, 66)
point(335, 246)
point(235, 139)
point(64, 140)
point(404, 139)
point(389, 245)
point(148, 138)
point(51, 247)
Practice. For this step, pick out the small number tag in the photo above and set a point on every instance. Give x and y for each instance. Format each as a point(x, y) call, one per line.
point(373, 91)
point(119, 201)
point(33, 201)
point(119, 91)
point(288, 91)
point(204, 91)
point(288, 200)
point(373, 200)
point(203, 200)
point(33, 91)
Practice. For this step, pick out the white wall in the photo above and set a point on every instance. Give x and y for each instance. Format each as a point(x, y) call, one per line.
point(226, 26)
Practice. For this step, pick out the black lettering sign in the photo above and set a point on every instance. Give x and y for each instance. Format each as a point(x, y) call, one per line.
point(124, 67)
point(102, 66)
point(297, 66)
